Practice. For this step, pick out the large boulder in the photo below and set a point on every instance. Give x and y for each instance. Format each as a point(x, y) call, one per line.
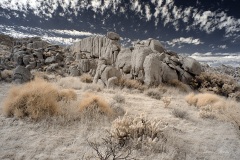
point(110, 72)
point(192, 66)
point(21, 74)
point(138, 56)
point(123, 61)
point(113, 36)
point(155, 45)
point(168, 74)
point(152, 68)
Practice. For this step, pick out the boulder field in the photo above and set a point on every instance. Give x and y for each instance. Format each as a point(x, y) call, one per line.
point(100, 56)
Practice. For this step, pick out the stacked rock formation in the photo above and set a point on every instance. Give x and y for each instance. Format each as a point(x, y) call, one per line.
point(146, 61)
point(102, 57)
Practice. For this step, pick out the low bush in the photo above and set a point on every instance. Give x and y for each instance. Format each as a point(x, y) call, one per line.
point(218, 83)
point(179, 113)
point(119, 98)
point(92, 106)
point(130, 83)
point(154, 93)
point(181, 86)
point(139, 132)
point(86, 78)
point(36, 99)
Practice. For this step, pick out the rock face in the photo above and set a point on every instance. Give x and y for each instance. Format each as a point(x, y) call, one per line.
point(100, 56)
point(21, 74)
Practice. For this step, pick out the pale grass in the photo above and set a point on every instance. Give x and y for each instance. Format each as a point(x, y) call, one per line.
point(92, 105)
point(70, 82)
point(36, 99)
point(86, 78)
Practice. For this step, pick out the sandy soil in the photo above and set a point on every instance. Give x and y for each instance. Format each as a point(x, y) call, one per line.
point(194, 137)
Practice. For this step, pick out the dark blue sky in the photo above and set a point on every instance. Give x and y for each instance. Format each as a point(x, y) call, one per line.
point(183, 26)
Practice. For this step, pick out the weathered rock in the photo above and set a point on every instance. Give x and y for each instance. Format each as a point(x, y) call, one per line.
point(138, 56)
point(26, 59)
point(153, 71)
point(50, 60)
point(123, 61)
point(37, 44)
point(21, 74)
point(109, 72)
point(52, 67)
point(155, 45)
point(84, 65)
point(112, 82)
point(74, 71)
point(113, 36)
point(168, 73)
point(192, 66)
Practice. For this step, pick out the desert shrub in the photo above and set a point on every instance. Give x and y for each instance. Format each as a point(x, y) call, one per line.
point(92, 106)
point(67, 95)
point(218, 83)
point(179, 113)
point(119, 98)
point(166, 101)
point(35, 99)
point(207, 112)
point(109, 149)
point(139, 132)
point(181, 86)
point(131, 84)
point(86, 78)
point(70, 82)
point(117, 109)
point(204, 99)
point(93, 87)
point(154, 93)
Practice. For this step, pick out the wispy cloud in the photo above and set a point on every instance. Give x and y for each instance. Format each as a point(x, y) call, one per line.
point(182, 40)
point(165, 12)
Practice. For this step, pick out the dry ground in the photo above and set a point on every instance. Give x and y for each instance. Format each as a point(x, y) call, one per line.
point(190, 137)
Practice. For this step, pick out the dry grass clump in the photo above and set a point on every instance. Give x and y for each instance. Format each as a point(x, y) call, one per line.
point(218, 83)
point(179, 113)
point(166, 101)
point(204, 99)
point(154, 93)
point(119, 98)
point(67, 95)
point(139, 132)
point(70, 82)
point(130, 83)
point(86, 78)
point(93, 87)
point(92, 105)
point(181, 86)
point(35, 99)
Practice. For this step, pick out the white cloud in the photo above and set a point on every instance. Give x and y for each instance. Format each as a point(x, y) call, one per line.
point(148, 12)
point(223, 46)
point(182, 40)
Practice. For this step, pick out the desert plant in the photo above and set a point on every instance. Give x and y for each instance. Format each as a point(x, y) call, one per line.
point(86, 78)
point(130, 83)
point(110, 149)
point(204, 99)
point(214, 82)
point(35, 99)
point(179, 113)
point(181, 86)
point(119, 98)
point(93, 87)
point(166, 101)
point(92, 105)
point(70, 82)
point(138, 131)
point(67, 95)
point(153, 93)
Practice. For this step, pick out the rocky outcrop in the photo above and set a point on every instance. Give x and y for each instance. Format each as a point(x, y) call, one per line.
point(102, 57)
